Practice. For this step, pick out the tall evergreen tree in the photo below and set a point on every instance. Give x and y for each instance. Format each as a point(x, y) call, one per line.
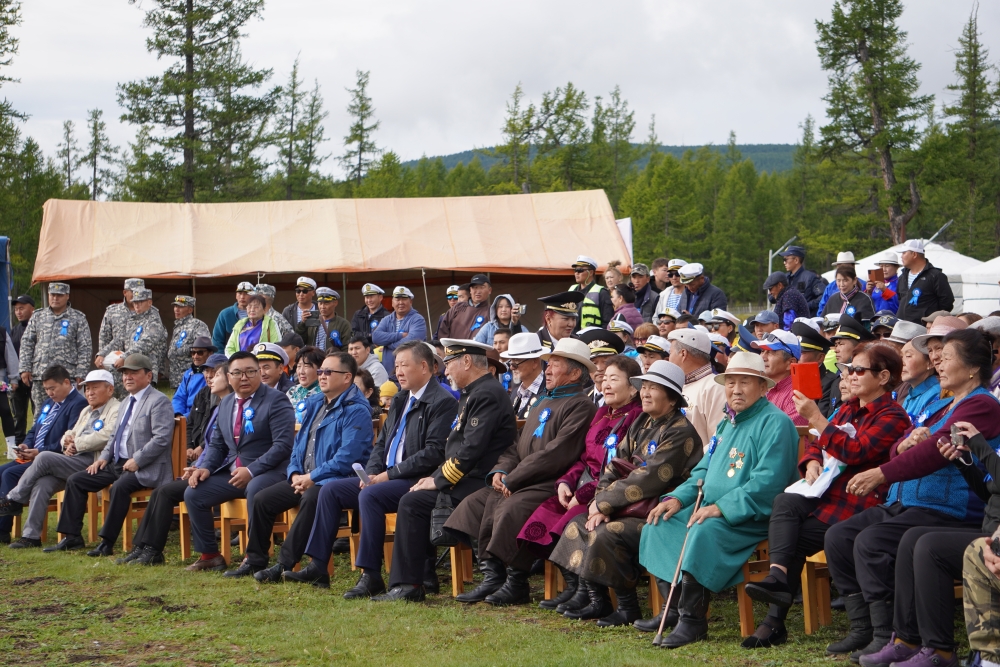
point(100, 154)
point(187, 102)
point(67, 151)
point(360, 144)
point(10, 16)
point(873, 101)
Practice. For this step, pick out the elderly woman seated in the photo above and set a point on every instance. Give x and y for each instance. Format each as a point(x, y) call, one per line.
point(859, 436)
point(659, 450)
point(750, 460)
point(575, 490)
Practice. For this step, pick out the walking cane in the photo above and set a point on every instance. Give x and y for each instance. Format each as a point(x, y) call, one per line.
point(658, 639)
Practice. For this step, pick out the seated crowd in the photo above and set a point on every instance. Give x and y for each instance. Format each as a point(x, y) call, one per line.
point(642, 430)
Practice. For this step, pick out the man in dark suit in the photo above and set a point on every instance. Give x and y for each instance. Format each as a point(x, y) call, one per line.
point(410, 446)
point(336, 433)
point(56, 416)
point(138, 454)
point(248, 452)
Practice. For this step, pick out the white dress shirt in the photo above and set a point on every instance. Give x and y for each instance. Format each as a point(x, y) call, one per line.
point(126, 428)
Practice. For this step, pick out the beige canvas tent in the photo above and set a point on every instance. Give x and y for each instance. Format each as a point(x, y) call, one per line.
point(526, 242)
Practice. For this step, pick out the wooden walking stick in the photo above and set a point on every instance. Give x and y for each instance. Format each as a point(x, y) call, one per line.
point(658, 639)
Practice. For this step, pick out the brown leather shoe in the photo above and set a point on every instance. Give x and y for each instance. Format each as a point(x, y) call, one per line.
point(217, 564)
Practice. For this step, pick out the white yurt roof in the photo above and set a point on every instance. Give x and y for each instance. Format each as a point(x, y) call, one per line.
point(953, 264)
point(980, 288)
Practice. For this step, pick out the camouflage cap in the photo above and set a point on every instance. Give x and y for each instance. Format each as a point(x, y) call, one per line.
point(142, 294)
point(134, 284)
point(266, 290)
point(186, 301)
point(58, 288)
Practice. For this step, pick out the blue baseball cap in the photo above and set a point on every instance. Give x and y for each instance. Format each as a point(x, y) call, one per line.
point(765, 317)
point(794, 251)
point(782, 340)
point(216, 360)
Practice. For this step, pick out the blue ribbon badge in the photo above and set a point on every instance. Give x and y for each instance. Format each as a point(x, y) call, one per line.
point(64, 328)
point(335, 337)
point(300, 408)
point(454, 423)
point(98, 425)
point(373, 325)
point(611, 444)
point(45, 412)
point(478, 323)
point(851, 310)
point(507, 377)
point(248, 420)
point(651, 447)
point(921, 418)
point(180, 341)
point(914, 295)
point(138, 333)
point(712, 444)
point(542, 418)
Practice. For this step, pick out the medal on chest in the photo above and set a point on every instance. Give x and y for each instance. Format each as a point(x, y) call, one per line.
point(248, 414)
point(478, 323)
point(611, 445)
point(543, 417)
point(914, 295)
point(181, 339)
point(738, 464)
point(45, 412)
point(138, 333)
point(64, 328)
point(851, 310)
point(650, 448)
point(300, 408)
point(98, 425)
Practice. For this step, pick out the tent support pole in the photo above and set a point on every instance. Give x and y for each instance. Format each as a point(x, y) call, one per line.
point(427, 300)
point(343, 277)
point(194, 295)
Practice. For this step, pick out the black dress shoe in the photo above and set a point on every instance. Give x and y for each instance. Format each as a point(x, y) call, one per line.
point(406, 592)
point(25, 543)
point(766, 636)
point(102, 549)
point(369, 585)
point(342, 545)
point(310, 574)
point(271, 575)
point(770, 591)
point(244, 570)
point(68, 543)
point(130, 556)
point(148, 556)
point(10, 507)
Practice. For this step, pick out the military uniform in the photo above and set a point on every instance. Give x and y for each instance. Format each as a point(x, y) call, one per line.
point(144, 334)
point(564, 303)
point(186, 330)
point(981, 600)
point(52, 339)
point(279, 320)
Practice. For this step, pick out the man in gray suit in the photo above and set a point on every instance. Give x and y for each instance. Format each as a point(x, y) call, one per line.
point(249, 451)
point(138, 454)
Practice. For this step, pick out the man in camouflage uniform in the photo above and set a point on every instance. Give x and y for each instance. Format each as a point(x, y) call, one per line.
point(144, 334)
point(981, 596)
point(186, 328)
point(268, 292)
point(55, 335)
point(116, 320)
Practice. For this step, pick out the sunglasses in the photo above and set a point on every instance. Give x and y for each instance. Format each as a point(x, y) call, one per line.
point(302, 290)
point(855, 370)
point(326, 371)
point(639, 341)
point(712, 327)
point(672, 274)
point(198, 353)
point(580, 270)
point(452, 298)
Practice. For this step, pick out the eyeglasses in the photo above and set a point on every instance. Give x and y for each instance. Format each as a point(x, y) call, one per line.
point(639, 341)
point(302, 290)
point(243, 374)
point(855, 370)
point(198, 353)
point(712, 327)
point(328, 371)
point(672, 274)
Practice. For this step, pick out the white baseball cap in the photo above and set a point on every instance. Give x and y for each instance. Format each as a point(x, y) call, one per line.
point(913, 245)
point(99, 376)
point(699, 340)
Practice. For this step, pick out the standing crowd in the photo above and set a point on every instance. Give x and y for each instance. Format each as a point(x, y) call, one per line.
point(643, 428)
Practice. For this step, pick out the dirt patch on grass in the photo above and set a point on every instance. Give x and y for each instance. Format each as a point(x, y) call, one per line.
point(28, 582)
point(49, 609)
point(113, 613)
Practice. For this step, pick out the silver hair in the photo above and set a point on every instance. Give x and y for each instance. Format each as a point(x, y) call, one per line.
point(480, 361)
point(694, 352)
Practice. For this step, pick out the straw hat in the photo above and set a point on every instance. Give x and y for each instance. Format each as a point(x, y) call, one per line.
point(745, 363)
point(574, 349)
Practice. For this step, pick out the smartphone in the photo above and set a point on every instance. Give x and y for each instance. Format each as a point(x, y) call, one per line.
point(362, 475)
point(521, 308)
point(995, 545)
point(957, 438)
point(805, 378)
point(876, 275)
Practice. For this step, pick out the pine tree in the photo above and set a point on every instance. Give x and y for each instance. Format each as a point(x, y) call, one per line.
point(290, 112)
point(10, 16)
point(311, 137)
point(67, 152)
point(204, 105)
point(873, 101)
point(99, 150)
point(361, 149)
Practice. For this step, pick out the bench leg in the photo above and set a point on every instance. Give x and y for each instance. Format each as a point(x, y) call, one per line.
point(92, 510)
point(224, 547)
point(810, 606)
point(656, 600)
point(185, 535)
point(457, 572)
point(745, 605)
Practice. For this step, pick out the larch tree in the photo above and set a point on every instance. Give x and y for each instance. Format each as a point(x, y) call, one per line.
point(362, 151)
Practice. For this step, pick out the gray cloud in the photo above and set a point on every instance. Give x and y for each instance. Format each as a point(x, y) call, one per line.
point(441, 72)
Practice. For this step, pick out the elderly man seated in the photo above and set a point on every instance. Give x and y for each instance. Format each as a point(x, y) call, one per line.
point(525, 475)
point(749, 461)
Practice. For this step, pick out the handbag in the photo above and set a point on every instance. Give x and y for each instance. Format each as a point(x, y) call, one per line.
point(639, 509)
point(443, 507)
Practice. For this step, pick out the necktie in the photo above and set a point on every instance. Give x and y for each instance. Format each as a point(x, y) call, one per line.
point(43, 428)
point(238, 424)
point(396, 439)
point(123, 423)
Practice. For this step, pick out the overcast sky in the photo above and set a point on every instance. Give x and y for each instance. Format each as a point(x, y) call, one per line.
point(441, 72)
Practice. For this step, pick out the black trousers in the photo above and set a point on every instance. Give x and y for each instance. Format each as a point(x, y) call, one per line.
point(159, 514)
point(927, 565)
point(267, 505)
point(412, 542)
point(20, 399)
point(793, 534)
point(861, 551)
point(123, 485)
point(6, 416)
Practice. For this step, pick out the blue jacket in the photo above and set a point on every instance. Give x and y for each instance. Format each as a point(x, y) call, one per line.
point(224, 324)
point(831, 289)
point(887, 304)
point(343, 438)
point(191, 384)
point(919, 398)
point(385, 334)
point(64, 421)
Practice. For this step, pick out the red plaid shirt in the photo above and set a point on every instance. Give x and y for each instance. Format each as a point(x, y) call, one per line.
point(880, 425)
